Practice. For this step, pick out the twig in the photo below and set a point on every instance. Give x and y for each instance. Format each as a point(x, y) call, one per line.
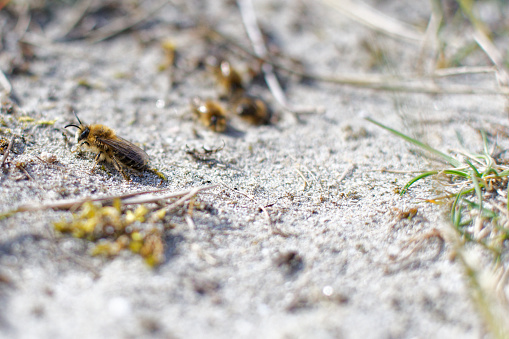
point(7, 151)
point(75, 18)
point(27, 174)
point(127, 199)
point(123, 24)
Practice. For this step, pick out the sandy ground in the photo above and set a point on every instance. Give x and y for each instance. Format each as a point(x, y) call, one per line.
point(319, 177)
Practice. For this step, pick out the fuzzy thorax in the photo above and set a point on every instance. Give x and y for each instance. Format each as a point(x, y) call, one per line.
point(88, 137)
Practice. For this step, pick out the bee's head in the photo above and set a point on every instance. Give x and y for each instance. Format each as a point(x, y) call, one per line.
point(218, 122)
point(83, 130)
point(213, 120)
point(226, 68)
point(82, 133)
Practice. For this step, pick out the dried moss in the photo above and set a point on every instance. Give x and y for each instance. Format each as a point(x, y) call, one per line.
point(114, 229)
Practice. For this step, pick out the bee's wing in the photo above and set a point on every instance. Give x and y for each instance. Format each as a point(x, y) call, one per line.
point(127, 153)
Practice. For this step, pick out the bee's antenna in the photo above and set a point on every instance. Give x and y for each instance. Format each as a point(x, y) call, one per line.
point(73, 125)
point(76, 118)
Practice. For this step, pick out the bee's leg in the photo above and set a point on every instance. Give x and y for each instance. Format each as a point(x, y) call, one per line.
point(78, 146)
point(97, 158)
point(120, 169)
point(76, 149)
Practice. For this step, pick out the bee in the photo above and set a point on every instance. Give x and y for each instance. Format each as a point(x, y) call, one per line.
point(228, 78)
point(209, 113)
point(251, 109)
point(108, 146)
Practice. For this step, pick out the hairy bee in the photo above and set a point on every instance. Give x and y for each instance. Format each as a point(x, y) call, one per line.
point(108, 146)
point(251, 109)
point(210, 113)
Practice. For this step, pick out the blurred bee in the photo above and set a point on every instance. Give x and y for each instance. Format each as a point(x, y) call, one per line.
point(245, 106)
point(251, 109)
point(228, 78)
point(209, 113)
point(108, 146)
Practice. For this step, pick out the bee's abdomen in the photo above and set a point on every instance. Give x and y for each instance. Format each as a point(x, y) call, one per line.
point(136, 163)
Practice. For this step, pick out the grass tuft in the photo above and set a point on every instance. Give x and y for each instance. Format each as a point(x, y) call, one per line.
point(477, 189)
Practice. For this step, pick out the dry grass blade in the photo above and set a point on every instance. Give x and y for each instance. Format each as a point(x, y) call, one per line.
point(256, 38)
point(376, 20)
point(5, 83)
point(129, 198)
point(306, 183)
point(261, 52)
point(481, 37)
point(7, 151)
point(425, 87)
point(186, 195)
point(429, 44)
point(382, 82)
point(494, 54)
point(454, 71)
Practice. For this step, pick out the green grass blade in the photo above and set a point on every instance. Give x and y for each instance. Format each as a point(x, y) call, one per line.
point(415, 179)
point(489, 171)
point(456, 211)
point(477, 174)
point(504, 173)
point(484, 211)
point(427, 174)
point(477, 190)
point(449, 159)
point(466, 192)
point(485, 143)
point(458, 173)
